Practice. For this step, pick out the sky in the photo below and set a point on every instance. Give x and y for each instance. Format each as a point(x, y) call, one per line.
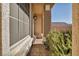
point(62, 12)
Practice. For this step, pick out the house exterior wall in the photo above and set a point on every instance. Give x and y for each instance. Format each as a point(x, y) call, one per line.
point(47, 18)
point(22, 46)
point(75, 31)
point(0, 31)
point(11, 24)
point(19, 31)
point(42, 24)
point(5, 29)
point(38, 10)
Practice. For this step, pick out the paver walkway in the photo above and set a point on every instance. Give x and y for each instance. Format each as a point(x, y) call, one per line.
point(38, 49)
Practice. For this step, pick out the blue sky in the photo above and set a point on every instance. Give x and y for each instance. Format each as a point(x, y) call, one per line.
point(62, 12)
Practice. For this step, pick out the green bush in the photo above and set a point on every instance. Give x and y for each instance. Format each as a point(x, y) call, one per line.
point(59, 43)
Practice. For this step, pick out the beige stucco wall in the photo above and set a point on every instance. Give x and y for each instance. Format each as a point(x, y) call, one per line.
point(5, 29)
point(0, 31)
point(43, 23)
point(38, 9)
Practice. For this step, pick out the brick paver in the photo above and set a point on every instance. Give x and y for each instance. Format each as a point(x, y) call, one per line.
point(38, 50)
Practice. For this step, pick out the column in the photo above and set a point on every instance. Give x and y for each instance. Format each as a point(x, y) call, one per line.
point(30, 22)
point(75, 29)
point(0, 30)
point(5, 29)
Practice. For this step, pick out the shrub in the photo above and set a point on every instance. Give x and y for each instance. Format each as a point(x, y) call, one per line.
point(59, 43)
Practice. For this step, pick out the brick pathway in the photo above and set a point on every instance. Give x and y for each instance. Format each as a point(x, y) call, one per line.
point(38, 50)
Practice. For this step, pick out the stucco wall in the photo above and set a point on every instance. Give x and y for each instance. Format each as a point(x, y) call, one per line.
point(0, 31)
point(38, 9)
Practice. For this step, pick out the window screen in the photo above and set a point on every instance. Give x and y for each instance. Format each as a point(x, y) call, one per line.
point(19, 23)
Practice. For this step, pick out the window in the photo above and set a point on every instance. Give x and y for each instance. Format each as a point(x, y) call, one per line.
point(19, 23)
